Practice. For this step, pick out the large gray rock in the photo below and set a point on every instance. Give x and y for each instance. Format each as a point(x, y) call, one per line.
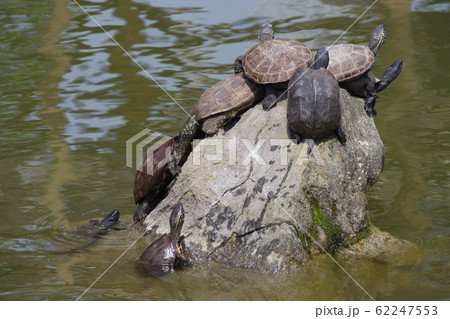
point(272, 209)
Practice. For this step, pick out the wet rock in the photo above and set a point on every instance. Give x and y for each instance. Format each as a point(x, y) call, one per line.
point(382, 247)
point(254, 199)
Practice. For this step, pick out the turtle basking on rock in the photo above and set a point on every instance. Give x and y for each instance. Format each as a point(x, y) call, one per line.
point(272, 62)
point(313, 110)
point(165, 253)
point(352, 66)
point(216, 106)
point(153, 177)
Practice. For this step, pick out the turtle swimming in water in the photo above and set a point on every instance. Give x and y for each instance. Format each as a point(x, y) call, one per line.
point(165, 253)
point(96, 228)
point(85, 235)
point(215, 107)
point(314, 110)
point(352, 66)
point(272, 62)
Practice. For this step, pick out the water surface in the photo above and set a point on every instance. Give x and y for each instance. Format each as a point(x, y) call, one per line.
point(71, 98)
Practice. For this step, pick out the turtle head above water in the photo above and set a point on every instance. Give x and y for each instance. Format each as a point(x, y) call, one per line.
point(321, 59)
point(176, 221)
point(111, 219)
point(266, 31)
point(377, 39)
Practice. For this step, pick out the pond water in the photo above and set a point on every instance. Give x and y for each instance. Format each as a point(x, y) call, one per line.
point(71, 97)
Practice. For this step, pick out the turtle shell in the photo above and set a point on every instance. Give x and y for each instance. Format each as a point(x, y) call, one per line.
point(348, 61)
point(235, 93)
point(275, 61)
point(157, 176)
point(313, 103)
point(159, 258)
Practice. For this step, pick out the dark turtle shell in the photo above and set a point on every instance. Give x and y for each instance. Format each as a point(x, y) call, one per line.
point(348, 61)
point(159, 258)
point(313, 103)
point(156, 175)
point(234, 94)
point(275, 60)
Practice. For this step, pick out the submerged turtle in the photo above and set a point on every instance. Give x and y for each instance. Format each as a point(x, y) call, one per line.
point(216, 106)
point(313, 110)
point(273, 62)
point(165, 253)
point(352, 64)
point(152, 178)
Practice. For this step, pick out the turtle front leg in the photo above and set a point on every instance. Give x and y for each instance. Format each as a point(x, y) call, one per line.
point(270, 99)
point(341, 135)
point(369, 105)
point(181, 145)
point(182, 260)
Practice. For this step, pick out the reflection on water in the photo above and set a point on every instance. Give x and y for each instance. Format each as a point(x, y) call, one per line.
point(71, 98)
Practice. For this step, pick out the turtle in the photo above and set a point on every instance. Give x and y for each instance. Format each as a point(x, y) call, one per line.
point(152, 178)
point(352, 66)
point(215, 107)
point(97, 228)
point(166, 252)
point(85, 235)
point(272, 62)
point(314, 110)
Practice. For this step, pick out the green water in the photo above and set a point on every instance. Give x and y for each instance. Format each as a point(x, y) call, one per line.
point(70, 98)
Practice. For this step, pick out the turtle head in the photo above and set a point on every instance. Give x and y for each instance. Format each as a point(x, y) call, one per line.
point(266, 32)
point(321, 59)
point(176, 221)
point(377, 39)
point(111, 219)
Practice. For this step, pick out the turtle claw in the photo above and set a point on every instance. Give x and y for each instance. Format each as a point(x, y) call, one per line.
point(370, 111)
point(141, 212)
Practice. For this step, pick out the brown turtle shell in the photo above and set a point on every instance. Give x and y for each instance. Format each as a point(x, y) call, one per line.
point(159, 258)
point(235, 93)
point(158, 175)
point(275, 61)
point(348, 61)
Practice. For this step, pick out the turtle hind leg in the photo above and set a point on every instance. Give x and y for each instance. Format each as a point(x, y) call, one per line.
point(293, 135)
point(391, 73)
point(311, 144)
point(238, 65)
point(341, 135)
point(270, 99)
point(212, 124)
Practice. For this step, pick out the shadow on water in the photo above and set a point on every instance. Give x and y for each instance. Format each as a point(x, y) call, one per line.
point(71, 98)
